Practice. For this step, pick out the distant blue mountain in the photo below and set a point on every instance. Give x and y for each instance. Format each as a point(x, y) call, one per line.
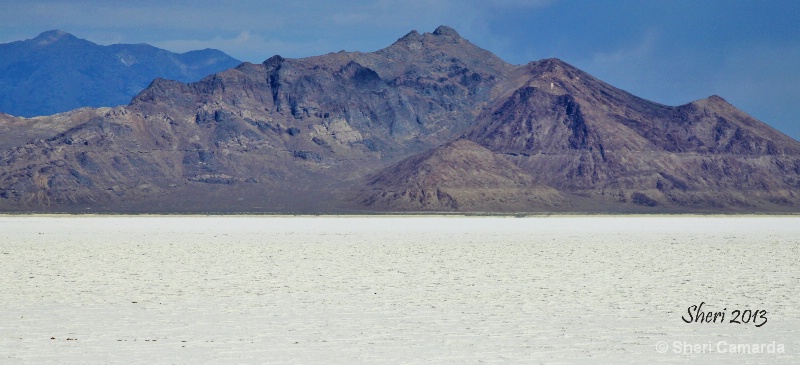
point(57, 72)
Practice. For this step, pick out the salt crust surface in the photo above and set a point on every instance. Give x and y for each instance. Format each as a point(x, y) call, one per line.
point(426, 290)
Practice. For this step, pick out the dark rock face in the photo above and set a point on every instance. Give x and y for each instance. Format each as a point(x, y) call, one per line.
point(57, 72)
point(430, 123)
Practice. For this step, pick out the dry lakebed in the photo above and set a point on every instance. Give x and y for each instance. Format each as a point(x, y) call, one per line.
point(399, 289)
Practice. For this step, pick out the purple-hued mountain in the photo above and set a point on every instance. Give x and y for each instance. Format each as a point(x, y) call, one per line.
point(430, 123)
point(57, 72)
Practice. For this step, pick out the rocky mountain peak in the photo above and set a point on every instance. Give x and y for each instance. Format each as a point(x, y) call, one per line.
point(713, 102)
point(446, 31)
point(412, 41)
point(717, 99)
point(55, 33)
point(412, 35)
point(52, 36)
point(415, 41)
point(443, 51)
point(554, 66)
point(274, 61)
point(554, 76)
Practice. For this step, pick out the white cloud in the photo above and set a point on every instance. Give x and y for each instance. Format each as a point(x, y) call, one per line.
point(249, 47)
point(640, 51)
point(517, 3)
point(242, 43)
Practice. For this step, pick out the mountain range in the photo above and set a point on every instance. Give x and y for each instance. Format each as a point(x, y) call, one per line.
point(57, 72)
point(430, 123)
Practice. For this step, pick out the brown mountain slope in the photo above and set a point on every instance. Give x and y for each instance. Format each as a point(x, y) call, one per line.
point(460, 175)
point(325, 134)
point(301, 127)
point(601, 142)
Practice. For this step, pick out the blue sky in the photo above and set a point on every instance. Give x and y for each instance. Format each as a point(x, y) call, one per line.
point(670, 52)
